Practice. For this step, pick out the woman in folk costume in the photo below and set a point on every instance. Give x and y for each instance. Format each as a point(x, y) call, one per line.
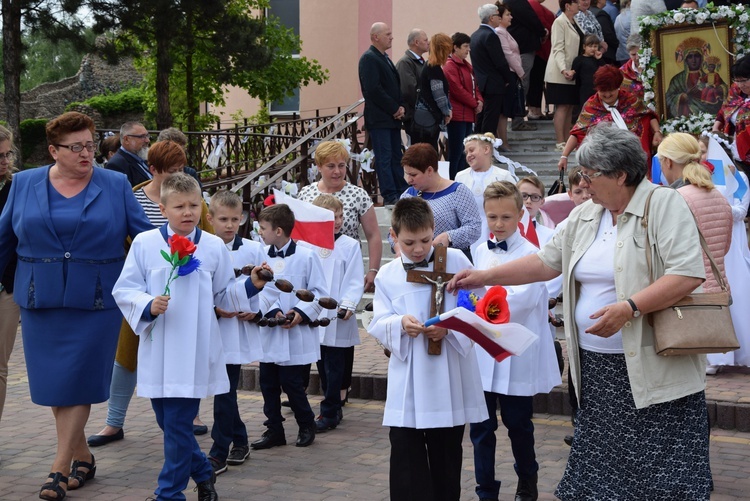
point(631, 70)
point(611, 103)
point(734, 116)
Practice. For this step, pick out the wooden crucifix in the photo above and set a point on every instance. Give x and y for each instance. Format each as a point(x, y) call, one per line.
point(438, 279)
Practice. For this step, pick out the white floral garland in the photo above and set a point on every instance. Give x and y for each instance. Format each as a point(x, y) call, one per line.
point(693, 124)
point(736, 16)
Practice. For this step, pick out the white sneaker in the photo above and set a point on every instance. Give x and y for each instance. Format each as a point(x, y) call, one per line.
point(559, 146)
point(711, 370)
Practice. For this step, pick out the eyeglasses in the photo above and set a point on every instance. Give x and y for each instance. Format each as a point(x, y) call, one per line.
point(534, 197)
point(7, 157)
point(740, 80)
point(139, 136)
point(78, 147)
point(589, 177)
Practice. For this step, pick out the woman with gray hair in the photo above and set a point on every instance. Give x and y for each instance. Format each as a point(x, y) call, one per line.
point(641, 431)
point(631, 70)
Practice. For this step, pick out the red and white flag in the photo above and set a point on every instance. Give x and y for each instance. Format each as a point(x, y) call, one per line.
point(313, 224)
point(499, 340)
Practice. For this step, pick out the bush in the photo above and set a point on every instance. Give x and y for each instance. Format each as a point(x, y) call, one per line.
point(129, 100)
point(33, 134)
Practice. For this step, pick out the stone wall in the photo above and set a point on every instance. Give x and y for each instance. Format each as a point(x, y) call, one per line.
point(95, 77)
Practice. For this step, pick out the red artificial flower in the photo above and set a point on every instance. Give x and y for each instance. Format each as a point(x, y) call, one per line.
point(181, 245)
point(493, 307)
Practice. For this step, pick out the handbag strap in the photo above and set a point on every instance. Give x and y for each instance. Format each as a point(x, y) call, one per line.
point(704, 245)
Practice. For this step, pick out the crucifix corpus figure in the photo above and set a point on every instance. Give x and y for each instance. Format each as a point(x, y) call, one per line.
point(438, 279)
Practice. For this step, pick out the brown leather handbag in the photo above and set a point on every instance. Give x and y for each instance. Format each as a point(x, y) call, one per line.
point(700, 322)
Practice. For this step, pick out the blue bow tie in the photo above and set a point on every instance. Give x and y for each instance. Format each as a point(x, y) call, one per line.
point(500, 245)
point(272, 252)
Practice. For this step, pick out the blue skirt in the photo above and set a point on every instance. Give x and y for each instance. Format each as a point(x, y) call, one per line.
point(623, 453)
point(69, 354)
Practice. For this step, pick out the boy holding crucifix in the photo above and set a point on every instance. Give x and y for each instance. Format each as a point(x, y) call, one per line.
point(430, 397)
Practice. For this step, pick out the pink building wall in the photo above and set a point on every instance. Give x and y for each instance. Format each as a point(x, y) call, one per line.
point(337, 32)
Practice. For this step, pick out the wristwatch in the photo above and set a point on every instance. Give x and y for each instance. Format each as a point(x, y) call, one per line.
point(636, 311)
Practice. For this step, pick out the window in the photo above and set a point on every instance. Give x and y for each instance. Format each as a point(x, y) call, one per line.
point(288, 13)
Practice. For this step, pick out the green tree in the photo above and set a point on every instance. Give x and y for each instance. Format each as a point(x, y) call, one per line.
point(203, 47)
point(56, 20)
point(47, 61)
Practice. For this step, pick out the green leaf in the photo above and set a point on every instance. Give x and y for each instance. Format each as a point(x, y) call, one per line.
point(166, 256)
point(183, 261)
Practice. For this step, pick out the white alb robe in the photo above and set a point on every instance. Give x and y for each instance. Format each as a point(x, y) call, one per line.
point(300, 344)
point(424, 391)
point(737, 268)
point(536, 370)
point(344, 271)
point(240, 338)
point(180, 354)
point(477, 183)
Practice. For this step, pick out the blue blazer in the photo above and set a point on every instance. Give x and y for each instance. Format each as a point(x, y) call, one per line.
point(82, 276)
point(381, 88)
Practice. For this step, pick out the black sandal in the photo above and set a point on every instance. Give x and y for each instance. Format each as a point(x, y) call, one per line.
point(54, 485)
point(81, 477)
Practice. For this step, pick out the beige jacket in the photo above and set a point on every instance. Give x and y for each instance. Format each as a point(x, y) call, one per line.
point(673, 237)
point(565, 43)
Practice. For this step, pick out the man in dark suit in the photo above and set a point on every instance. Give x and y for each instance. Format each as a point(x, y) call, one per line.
point(130, 159)
point(409, 69)
point(384, 110)
point(490, 68)
point(528, 32)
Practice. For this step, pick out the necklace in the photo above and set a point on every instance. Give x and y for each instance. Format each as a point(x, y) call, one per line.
point(420, 193)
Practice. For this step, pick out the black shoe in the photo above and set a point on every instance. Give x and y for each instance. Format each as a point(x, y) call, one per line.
point(206, 489)
point(526, 489)
point(323, 424)
point(200, 429)
point(340, 415)
point(269, 439)
point(306, 436)
point(285, 403)
point(568, 440)
point(218, 466)
point(238, 455)
point(99, 440)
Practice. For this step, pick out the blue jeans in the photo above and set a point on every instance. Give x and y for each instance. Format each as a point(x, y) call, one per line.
point(386, 145)
point(516, 413)
point(183, 458)
point(274, 378)
point(228, 427)
point(457, 131)
point(120, 392)
point(331, 364)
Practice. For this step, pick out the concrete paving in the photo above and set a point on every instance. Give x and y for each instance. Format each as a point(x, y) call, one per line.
point(349, 463)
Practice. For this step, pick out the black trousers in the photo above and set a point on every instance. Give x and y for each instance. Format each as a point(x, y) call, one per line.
point(490, 116)
point(426, 464)
point(536, 83)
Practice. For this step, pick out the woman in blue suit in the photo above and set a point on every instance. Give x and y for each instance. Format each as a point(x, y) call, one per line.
point(68, 223)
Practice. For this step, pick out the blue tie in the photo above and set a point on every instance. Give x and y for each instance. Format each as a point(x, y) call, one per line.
point(500, 245)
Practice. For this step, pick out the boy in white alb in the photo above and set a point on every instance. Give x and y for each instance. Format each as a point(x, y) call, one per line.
point(514, 381)
point(430, 397)
point(344, 270)
point(288, 348)
point(180, 358)
point(239, 336)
